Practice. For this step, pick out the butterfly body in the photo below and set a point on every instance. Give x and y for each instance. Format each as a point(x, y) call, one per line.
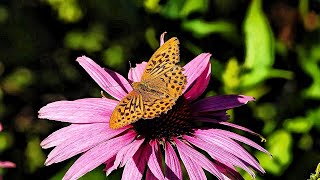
point(161, 84)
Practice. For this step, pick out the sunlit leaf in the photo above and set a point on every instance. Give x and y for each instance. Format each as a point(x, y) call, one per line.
point(258, 37)
point(309, 59)
point(201, 28)
point(91, 41)
point(113, 56)
point(151, 38)
point(231, 76)
point(279, 144)
point(175, 9)
point(298, 124)
point(259, 42)
point(152, 5)
point(68, 10)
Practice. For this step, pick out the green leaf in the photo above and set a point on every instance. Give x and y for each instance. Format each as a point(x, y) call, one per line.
point(258, 38)
point(91, 41)
point(231, 76)
point(279, 144)
point(299, 124)
point(175, 9)
point(113, 56)
point(201, 28)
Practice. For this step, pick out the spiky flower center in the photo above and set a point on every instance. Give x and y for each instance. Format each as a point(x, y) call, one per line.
point(176, 122)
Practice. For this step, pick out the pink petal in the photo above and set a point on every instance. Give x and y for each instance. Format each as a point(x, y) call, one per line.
point(228, 173)
point(89, 110)
point(1, 127)
point(162, 38)
point(98, 155)
point(135, 167)
point(65, 133)
point(195, 171)
point(173, 169)
point(239, 138)
point(103, 78)
point(200, 85)
point(7, 164)
point(217, 103)
point(81, 141)
point(198, 158)
point(123, 82)
point(125, 154)
point(195, 68)
point(204, 119)
point(153, 163)
point(136, 73)
point(109, 165)
point(225, 151)
point(218, 154)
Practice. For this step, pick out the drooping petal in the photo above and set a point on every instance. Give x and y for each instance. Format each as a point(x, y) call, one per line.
point(195, 68)
point(135, 167)
point(7, 164)
point(1, 127)
point(205, 119)
point(136, 72)
point(225, 150)
point(98, 155)
point(228, 173)
point(125, 153)
point(219, 154)
point(109, 164)
point(224, 133)
point(153, 163)
point(89, 110)
point(197, 158)
point(217, 103)
point(104, 79)
point(194, 171)
point(81, 141)
point(200, 85)
point(173, 168)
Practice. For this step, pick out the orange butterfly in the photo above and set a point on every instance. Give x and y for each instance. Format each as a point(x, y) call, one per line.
point(161, 84)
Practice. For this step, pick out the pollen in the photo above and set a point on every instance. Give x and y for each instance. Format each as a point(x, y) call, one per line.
point(176, 122)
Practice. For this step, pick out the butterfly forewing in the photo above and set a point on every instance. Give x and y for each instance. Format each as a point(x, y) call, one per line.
point(162, 60)
point(129, 110)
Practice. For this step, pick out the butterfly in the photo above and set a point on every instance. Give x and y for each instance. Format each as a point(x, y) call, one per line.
point(162, 82)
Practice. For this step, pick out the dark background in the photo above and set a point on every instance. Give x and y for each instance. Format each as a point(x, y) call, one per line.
point(270, 51)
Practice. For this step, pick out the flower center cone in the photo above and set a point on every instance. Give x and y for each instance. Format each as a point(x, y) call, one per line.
point(176, 122)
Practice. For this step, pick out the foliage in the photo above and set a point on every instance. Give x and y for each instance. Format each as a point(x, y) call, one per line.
point(267, 49)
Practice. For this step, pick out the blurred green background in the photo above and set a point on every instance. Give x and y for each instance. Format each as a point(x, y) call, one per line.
point(267, 49)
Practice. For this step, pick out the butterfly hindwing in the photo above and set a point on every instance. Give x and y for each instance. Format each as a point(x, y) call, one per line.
point(129, 110)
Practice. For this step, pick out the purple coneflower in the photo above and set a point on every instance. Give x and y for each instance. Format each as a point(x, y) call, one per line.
point(183, 133)
point(6, 164)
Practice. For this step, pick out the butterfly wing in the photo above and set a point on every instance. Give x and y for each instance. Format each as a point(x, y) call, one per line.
point(164, 80)
point(129, 110)
point(162, 60)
